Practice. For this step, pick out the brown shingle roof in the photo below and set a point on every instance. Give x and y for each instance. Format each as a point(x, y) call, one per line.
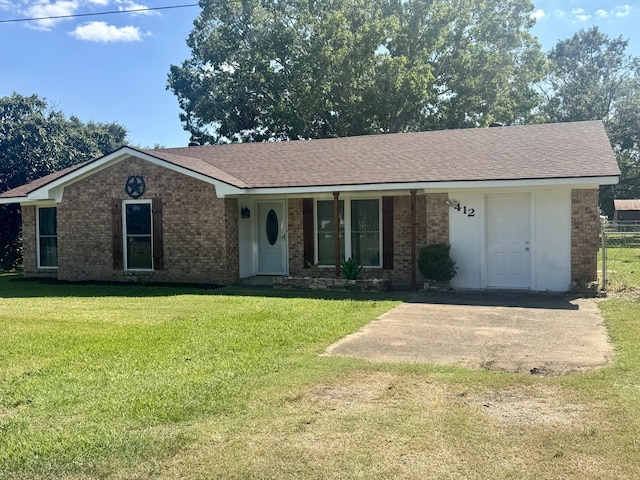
point(25, 189)
point(559, 150)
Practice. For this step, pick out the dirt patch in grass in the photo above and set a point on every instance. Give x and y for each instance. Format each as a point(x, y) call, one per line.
point(542, 405)
point(365, 389)
point(534, 405)
point(402, 425)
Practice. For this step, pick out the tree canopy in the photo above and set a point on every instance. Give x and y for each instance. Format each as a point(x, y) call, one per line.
point(291, 69)
point(592, 77)
point(35, 140)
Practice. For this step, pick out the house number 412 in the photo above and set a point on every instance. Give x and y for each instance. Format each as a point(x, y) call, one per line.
point(469, 212)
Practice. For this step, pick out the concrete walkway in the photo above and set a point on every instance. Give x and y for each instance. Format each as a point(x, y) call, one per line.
point(513, 332)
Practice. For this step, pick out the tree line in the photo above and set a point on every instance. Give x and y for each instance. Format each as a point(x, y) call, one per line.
point(265, 70)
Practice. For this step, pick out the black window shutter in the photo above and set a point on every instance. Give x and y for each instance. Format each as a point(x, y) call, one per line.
point(116, 228)
point(158, 254)
point(307, 231)
point(387, 233)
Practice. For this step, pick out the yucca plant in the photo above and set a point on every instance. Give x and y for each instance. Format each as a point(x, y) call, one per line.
point(351, 269)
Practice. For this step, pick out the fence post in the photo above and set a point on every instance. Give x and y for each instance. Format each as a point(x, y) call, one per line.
point(604, 258)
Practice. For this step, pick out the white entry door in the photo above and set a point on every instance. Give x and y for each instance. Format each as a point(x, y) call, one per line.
point(271, 238)
point(508, 241)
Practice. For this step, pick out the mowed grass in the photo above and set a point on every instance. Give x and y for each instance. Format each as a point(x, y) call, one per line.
point(93, 378)
point(151, 382)
point(623, 261)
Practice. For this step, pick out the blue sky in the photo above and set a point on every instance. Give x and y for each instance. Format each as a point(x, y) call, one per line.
point(114, 68)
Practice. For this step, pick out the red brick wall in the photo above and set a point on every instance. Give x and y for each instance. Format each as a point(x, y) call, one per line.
point(437, 218)
point(296, 239)
point(584, 236)
point(29, 251)
point(401, 273)
point(200, 234)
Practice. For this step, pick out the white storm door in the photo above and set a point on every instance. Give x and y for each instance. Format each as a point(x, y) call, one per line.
point(271, 238)
point(508, 241)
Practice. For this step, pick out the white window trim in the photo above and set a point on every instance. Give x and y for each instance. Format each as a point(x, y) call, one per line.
point(41, 267)
point(125, 236)
point(347, 228)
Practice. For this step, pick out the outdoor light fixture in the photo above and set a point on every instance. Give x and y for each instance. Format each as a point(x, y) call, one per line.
point(245, 212)
point(452, 203)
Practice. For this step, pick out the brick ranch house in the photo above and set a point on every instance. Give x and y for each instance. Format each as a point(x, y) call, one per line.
point(519, 206)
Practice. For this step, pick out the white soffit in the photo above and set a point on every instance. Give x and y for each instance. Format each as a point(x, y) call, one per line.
point(54, 189)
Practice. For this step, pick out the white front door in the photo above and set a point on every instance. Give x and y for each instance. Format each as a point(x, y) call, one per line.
point(272, 245)
point(508, 241)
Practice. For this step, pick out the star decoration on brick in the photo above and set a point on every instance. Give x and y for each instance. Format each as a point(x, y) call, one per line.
point(135, 186)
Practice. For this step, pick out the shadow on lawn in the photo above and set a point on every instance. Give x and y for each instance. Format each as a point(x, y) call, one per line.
point(500, 298)
point(14, 286)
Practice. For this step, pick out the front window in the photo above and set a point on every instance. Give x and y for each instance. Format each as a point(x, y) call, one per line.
point(365, 232)
point(362, 238)
point(326, 232)
point(137, 230)
point(47, 237)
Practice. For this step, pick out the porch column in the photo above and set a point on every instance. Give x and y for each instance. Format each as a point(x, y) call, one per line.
point(414, 282)
point(336, 230)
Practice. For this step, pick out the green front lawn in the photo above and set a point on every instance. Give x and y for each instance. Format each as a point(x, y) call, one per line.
point(167, 382)
point(93, 378)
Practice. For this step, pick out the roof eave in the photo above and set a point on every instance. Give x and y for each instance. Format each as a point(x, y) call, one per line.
point(53, 190)
point(442, 185)
point(12, 200)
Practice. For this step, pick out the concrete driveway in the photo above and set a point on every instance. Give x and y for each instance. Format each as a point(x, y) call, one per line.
point(513, 332)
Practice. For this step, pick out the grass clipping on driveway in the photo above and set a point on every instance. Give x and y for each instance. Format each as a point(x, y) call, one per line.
point(141, 382)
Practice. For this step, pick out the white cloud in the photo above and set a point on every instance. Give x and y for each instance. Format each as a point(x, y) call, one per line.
point(50, 9)
point(131, 5)
point(622, 10)
point(103, 32)
point(559, 13)
point(581, 14)
point(601, 13)
point(538, 14)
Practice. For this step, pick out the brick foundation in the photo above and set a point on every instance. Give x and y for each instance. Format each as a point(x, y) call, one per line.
point(584, 236)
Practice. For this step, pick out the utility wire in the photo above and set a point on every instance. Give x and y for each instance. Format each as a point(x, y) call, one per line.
point(76, 15)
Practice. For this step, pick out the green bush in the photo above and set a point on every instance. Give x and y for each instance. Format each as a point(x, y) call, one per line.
point(351, 269)
point(435, 263)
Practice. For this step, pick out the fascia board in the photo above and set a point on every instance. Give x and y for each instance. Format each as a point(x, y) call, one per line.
point(10, 200)
point(54, 189)
point(585, 182)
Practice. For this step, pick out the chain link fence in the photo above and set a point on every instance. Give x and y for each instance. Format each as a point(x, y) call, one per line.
point(620, 255)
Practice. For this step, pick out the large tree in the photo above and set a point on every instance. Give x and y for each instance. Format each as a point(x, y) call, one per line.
point(592, 77)
point(289, 69)
point(35, 140)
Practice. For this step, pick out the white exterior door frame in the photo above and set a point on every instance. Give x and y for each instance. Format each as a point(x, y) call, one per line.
point(509, 250)
point(271, 237)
